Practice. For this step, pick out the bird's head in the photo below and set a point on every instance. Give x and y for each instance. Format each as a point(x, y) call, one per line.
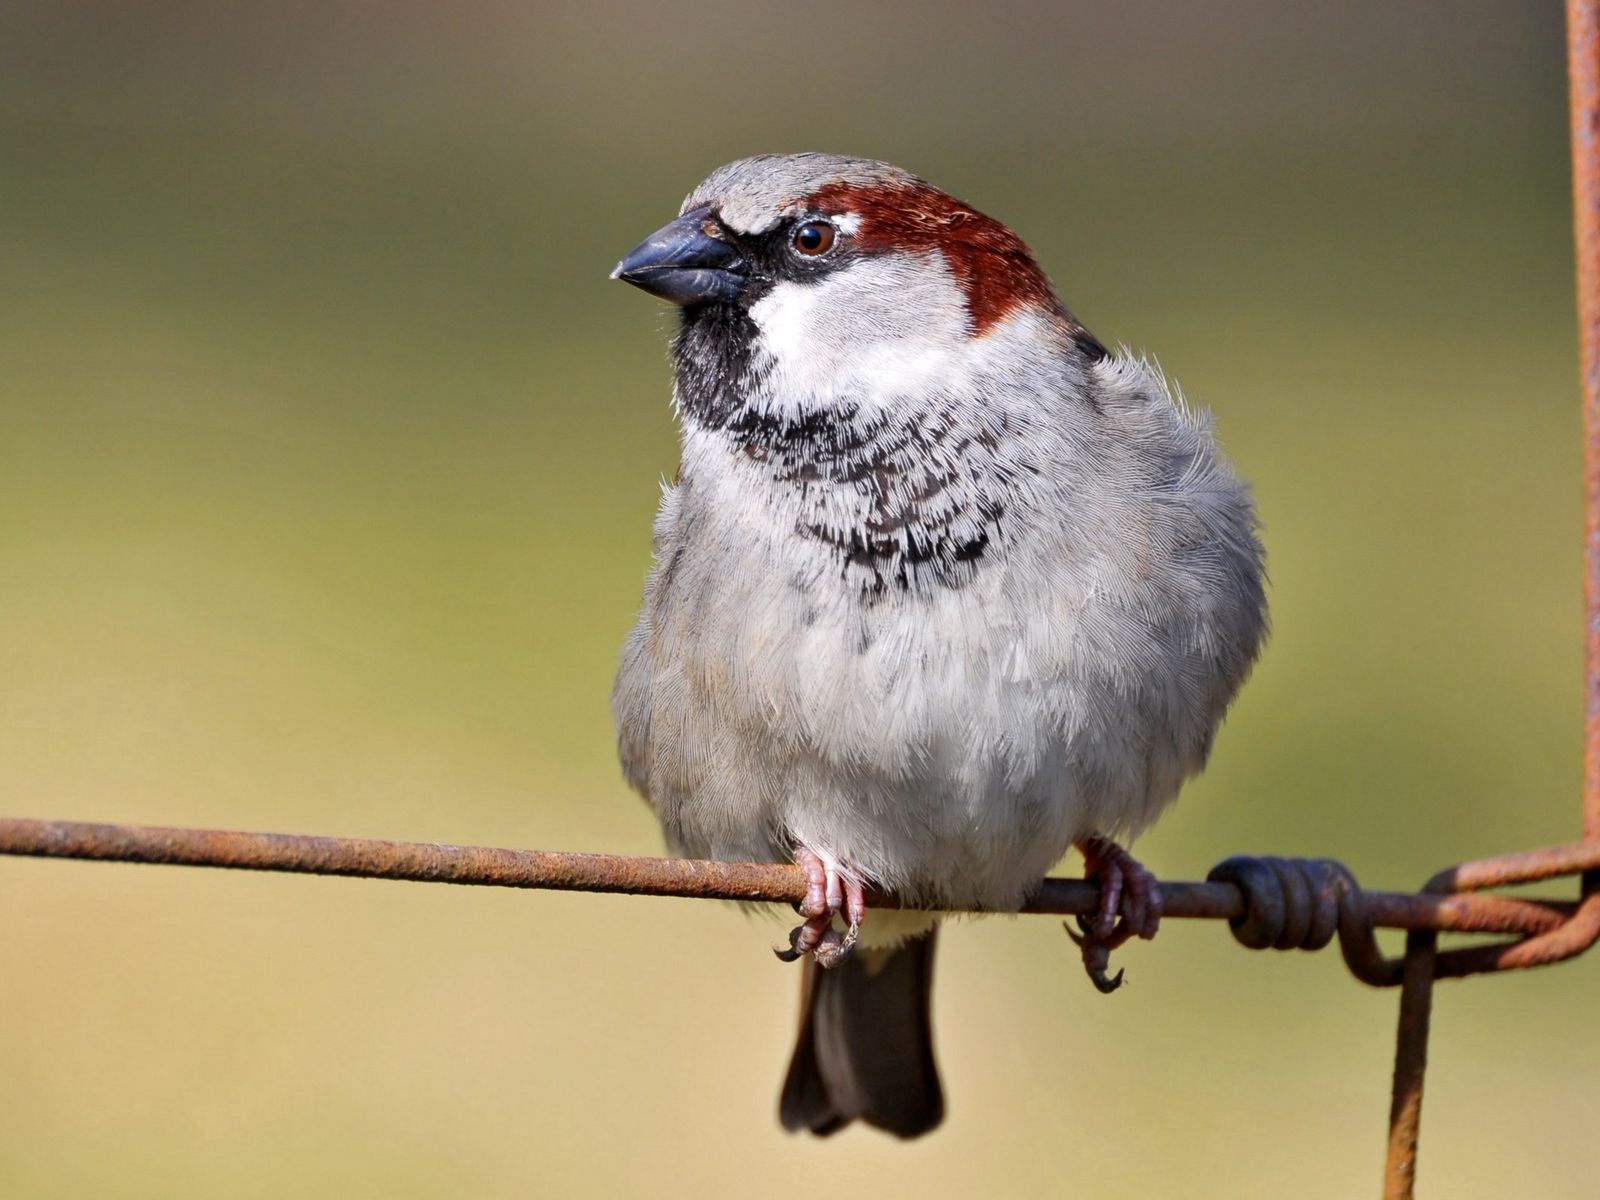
point(811, 280)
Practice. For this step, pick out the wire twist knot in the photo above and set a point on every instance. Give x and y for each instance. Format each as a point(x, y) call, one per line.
point(1290, 903)
point(1299, 904)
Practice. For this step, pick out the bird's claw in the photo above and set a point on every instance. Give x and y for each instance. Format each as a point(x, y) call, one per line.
point(792, 952)
point(1130, 905)
point(829, 893)
point(818, 938)
point(1097, 956)
point(835, 947)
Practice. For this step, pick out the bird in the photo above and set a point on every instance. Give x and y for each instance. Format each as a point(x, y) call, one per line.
point(943, 588)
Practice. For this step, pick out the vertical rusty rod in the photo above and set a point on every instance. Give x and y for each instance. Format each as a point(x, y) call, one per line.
point(1583, 68)
point(1410, 1064)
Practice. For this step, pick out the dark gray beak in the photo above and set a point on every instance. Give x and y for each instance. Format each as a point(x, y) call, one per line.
point(685, 264)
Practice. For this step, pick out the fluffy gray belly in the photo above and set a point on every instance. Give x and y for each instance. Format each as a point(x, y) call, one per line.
point(949, 745)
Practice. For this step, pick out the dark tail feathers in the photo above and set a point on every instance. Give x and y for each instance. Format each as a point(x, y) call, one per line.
point(866, 1045)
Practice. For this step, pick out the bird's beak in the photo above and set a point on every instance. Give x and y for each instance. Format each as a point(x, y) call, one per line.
point(686, 262)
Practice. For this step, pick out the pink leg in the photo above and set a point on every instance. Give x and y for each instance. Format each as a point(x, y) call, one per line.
point(830, 892)
point(1130, 904)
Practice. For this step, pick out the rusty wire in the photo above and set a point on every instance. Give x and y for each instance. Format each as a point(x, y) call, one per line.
point(1270, 902)
point(1583, 72)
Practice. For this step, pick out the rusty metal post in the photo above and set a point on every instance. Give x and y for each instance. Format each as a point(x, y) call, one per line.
point(1416, 991)
point(1410, 1065)
point(1583, 68)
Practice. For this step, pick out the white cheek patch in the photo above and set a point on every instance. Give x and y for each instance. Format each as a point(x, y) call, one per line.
point(786, 317)
point(873, 331)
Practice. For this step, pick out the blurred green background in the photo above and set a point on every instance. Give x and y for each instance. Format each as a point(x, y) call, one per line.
point(327, 462)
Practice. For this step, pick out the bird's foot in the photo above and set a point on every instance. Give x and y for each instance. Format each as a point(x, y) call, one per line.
point(830, 893)
point(1130, 905)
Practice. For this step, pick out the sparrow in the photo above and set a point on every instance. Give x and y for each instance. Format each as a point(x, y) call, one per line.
point(943, 588)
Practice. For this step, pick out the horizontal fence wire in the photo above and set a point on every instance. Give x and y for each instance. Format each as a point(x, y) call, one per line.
point(1270, 902)
point(566, 871)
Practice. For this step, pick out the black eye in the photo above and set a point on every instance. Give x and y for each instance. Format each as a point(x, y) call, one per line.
point(813, 238)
